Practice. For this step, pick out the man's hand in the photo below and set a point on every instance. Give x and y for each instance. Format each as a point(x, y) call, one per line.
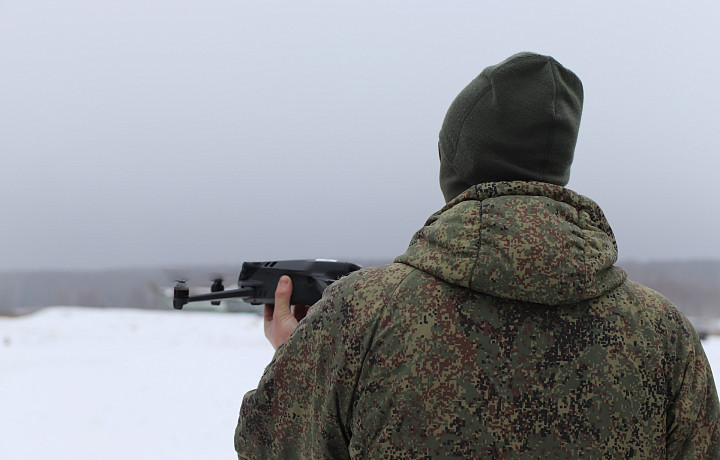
point(280, 321)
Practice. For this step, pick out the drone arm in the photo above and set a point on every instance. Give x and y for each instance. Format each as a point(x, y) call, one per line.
point(179, 301)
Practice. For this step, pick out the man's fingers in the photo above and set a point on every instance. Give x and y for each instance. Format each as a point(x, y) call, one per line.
point(279, 320)
point(282, 298)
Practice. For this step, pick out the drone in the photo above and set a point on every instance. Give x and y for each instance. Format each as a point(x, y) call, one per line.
point(258, 280)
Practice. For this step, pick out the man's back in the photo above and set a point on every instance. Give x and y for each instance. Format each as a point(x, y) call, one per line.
point(419, 359)
point(505, 330)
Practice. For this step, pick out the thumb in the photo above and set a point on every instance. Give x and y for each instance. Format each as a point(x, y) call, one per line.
point(283, 291)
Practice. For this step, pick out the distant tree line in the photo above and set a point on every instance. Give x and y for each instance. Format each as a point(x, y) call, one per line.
point(21, 292)
point(24, 292)
point(694, 286)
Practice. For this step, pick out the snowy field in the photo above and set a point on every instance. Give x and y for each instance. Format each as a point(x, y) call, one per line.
point(82, 383)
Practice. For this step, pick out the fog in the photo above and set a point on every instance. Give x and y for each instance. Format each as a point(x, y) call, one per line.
point(163, 133)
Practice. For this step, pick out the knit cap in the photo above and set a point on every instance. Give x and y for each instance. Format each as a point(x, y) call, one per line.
point(517, 120)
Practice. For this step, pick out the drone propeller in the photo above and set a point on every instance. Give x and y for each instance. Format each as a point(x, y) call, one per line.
point(199, 276)
point(217, 286)
point(178, 275)
point(182, 280)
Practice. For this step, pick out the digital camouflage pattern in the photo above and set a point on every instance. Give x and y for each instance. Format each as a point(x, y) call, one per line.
point(504, 331)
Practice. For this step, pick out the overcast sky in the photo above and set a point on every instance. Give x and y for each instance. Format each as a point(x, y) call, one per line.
point(176, 132)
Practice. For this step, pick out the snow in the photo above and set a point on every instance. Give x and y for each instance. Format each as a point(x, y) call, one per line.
point(83, 383)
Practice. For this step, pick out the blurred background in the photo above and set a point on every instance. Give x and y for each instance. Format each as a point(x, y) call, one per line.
point(143, 135)
point(143, 139)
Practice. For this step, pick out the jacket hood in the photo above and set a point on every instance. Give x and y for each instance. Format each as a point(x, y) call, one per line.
point(527, 241)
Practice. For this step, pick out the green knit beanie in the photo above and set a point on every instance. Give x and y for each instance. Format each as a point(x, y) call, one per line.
point(518, 120)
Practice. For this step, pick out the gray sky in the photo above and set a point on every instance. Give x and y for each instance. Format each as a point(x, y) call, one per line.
point(166, 132)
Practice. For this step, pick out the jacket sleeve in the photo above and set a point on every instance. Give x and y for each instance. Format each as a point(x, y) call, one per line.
point(302, 407)
point(297, 410)
point(693, 417)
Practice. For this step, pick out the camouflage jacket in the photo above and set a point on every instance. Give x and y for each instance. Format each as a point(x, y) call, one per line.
point(504, 331)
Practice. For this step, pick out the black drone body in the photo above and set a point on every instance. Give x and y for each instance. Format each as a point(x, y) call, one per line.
point(258, 280)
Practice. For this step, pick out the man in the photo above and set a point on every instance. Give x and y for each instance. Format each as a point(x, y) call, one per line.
point(504, 331)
